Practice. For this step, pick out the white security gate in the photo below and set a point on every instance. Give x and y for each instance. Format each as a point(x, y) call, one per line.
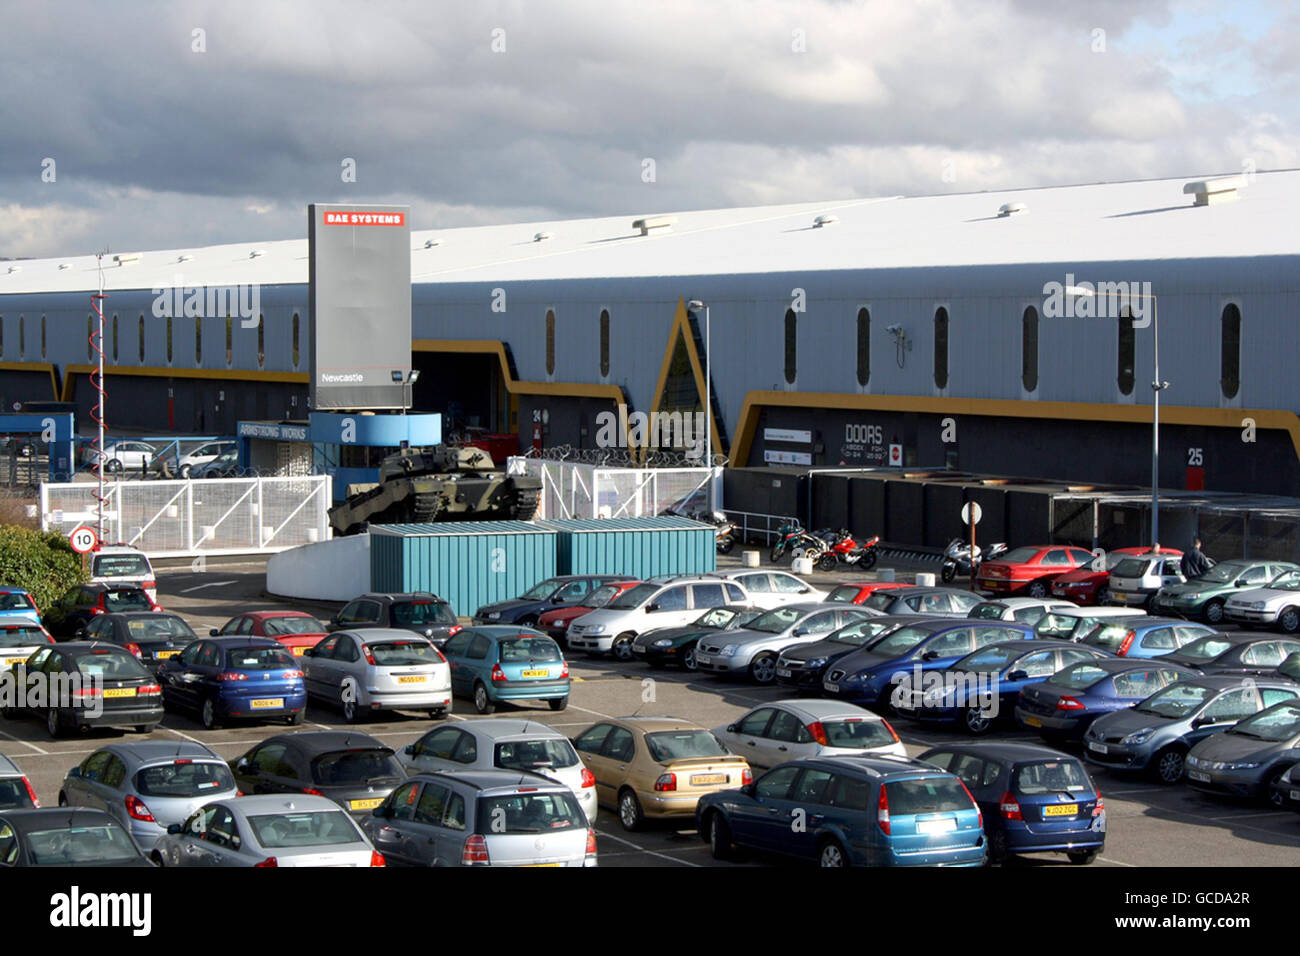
point(573, 489)
point(197, 516)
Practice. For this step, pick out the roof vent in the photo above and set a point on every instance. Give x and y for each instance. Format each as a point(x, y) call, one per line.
point(1210, 192)
point(430, 243)
point(651, 223)
point(185, 257)
point(15, 268)
point(826, 220)
point(127, 258)
point(64, 265)
point(256, 253)
point(1011, 208)
point(543, 236)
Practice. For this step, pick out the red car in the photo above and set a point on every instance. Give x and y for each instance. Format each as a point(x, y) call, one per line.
point(1086, 586)
point(1031, 569)
point(296, 630)
point(858, 592)
point(556, 623)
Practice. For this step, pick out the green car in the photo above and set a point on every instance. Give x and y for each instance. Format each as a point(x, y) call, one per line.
point(1203, 597)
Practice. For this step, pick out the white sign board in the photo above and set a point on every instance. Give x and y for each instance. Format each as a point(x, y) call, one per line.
point(787, 457)
point(967, 517)
point(787, 434)
point(895, 454)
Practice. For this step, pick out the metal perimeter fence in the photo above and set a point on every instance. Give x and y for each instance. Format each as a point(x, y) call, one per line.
point(575, 489)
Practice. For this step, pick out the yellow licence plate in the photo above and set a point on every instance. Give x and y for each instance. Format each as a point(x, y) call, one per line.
point(264, 702)
point(164, 655)
point(11, 661)
point(365, 804)
point(120, 692)
point(702, 778)
point(1062, 810)
point(297, 651)
point(1034, 721)
point(533, 866)
point(536, 673)
point(417, 679)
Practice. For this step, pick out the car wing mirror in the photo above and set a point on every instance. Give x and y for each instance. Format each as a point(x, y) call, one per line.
point(175, 829)
point(213, 632)
point(74, 772)
point(409, 750)
point(731, 728)
point(652, 607)
point(799, 632)
point(1018, 675)
point(929, 655)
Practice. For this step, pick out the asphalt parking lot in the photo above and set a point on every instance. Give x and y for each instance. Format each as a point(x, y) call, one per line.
point(1149, 825)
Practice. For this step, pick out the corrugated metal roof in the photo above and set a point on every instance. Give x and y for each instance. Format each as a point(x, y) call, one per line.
point(452, 528)
point(649, 523)
point(1134, 221)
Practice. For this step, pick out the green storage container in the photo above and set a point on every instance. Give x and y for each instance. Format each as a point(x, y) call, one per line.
point(638, 547)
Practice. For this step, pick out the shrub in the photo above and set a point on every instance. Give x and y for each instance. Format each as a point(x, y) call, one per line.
point(41, 561)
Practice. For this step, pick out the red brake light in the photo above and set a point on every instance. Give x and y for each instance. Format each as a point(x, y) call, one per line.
point(181, 763)
point(86, 692)
point(148, 690)
point(370, 658)
point(137, 809)
point(882, 809)
point(1069, 703)
point(96, 610)
point(475, 850)
point(269, 861)
point(591, 842)
point(666, 782)
point(564, 671)
point(892, 731)
point(746, 777)
point(150, 585)
point(1127, 643)
point(291, 675)
point(377, 858)
point(134, 649)
point(232, 675)
point(818, 732)
point(36, 801)
point(1009, 807)
point(455, 629)
point(498, 673)
point(314, 792)
point(978, 812)
point(588, 778)
point(1100, 807)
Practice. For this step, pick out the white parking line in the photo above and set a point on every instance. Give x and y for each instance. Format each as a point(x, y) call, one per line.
point(586, 710)
point(662, 856)
point(193, 740)
point(25, 744)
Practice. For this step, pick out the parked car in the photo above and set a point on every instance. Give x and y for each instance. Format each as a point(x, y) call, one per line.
point(783, 730)
point(649, 606)
point(1286, 791)
point(1243, 654)
point(78, 605)
point(225, 465)
point(18, 605)
point(1065, 705)
point(294, 630)
point(1089, 583)
point(16, 790)
point(376, 668)
point(858, 592)
point(676, 645)
point(1023, 609)
point(267, 831)
point(421, 612)
point(128, 456)
point(124, 693)
point(1145, 636)
point(65, 836)
point(1276, 605)
point(183, 466)
point(923, 601)
point(753, 649)
point(656, 768)
point(228, 678)
point(1205, 596)
point(1156, 735)
point(872, 675)
point(153, 637)
point(148, 786)
point(1250, 757)
point(984, 686)
point(1135, 580)
point(804, 666)
point(556, 623)
point(474, 817)
point(856, 811)
point(122, 565)
point(21, 639)
point(545, 596)
point(769, 589)
point(1032, 569)
point(352, 769)
point(503, 743)
point(496, 663)
point(1074, 624)
point(1033, 799)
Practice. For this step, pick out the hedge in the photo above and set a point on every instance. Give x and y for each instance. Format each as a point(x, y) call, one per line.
point(41, 561)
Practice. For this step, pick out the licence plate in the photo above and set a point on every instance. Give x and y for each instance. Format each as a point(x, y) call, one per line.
point(936, 826)
point(11, 661)
point(1119, 595)
point(1034, 721)
point(1062, 810)
point(120, 692)
point(783, 672)
point(298, 651)
point(264, 702)
point(165, 655)
point(638, 649)
point(1295, 794)
point(831, 686)
point(698, 779)
point(369, 804)
point(1197, 775)
point(534, 866)
point(536, 673)
point(415, 679)
point(1099, 748)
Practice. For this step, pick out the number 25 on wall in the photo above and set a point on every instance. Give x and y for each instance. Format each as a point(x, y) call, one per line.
point(1195, 458)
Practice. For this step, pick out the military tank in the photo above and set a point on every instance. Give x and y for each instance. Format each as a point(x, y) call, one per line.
point(440, 483)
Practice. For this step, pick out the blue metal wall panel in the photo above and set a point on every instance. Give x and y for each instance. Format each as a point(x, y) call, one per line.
point(638, 547)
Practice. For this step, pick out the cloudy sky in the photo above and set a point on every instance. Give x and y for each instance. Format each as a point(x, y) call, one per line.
point(186, 123)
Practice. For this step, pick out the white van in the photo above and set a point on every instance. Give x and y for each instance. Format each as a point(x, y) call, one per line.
point(123, 565)
point(669, 602)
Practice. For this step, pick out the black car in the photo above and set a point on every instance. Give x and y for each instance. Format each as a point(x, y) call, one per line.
point(87, 684)
point(354, 770)
point(546, 596)
point(676, 645)
point(421, 612)
point(66, 836)
point(70, 613)
point(1245, 654)
point(804, 665)
point(152, 637)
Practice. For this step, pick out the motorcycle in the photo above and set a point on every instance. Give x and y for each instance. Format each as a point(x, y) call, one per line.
point(957, 558)
point(844, 549)
point(792, 539)
point(727, 532)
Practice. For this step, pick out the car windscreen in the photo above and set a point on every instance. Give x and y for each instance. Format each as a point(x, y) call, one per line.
point(716, 617)
point(518, 650)
point(1108, 636)
point(862, 633)
point(1222, 573)
point(545, 753)
point(110, 665)
point(529, 813)
point(1052, 624)
point(1279, 722)
point(417, 613)
point(601, 596)
point(259, 658)
point(403, 653)
point(667, 745)
point(280, 626)
point(1132, 568)
point(743, 618)
point(343, 768)
point(71, 846)
point(127, 599)
point(184, 778)
point(988, 611)
point(776, 620)
point(278, 831)
point(900, 642)
point(159, 627)
point(1079, 676)
point(22, 636)
point(927, 795)
point(14, 601)
point(857, 732)
point(1049, 776)
point(987, 660)
point(1176, 700)
point(540, 592)
point(1204, 649)
point(120, 566)
point(880, 600)
point(13, 794)
point(633, 597)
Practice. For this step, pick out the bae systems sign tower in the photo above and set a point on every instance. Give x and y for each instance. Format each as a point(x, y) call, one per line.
point(360, 303)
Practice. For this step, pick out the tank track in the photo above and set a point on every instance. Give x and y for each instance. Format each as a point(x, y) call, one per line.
point(424, 508)
point(526, 499)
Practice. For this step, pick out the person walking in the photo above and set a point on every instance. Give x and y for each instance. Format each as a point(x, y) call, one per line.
point(1194, 562)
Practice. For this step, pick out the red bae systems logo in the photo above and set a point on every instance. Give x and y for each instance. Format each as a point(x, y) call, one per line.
point(337, 217)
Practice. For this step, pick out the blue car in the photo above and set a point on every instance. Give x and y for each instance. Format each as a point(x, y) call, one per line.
point(985, 685)
point(849, 811)
point(1034, 799)
point(221, 678)
point(891, 668)
point(17, 604)
point(1144, 637)
point(496, 663)
point(1065, 705)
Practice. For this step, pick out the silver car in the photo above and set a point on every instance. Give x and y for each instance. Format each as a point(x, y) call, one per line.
point(376, 668)
point(503, 744)
point(754, 649)
point(1026, 610)
point(263, 831)
point(786, 729)
point(148, 785)
point(15, 789)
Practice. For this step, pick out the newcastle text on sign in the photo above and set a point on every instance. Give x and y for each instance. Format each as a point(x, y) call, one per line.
point(336, 217)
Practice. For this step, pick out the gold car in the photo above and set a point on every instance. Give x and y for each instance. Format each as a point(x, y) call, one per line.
point(657, 767)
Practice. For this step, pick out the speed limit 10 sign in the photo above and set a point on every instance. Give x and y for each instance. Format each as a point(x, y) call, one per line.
point(83, 540)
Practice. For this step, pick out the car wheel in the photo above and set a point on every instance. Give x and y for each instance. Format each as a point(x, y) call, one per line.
point(763, 668)
point(1168, 765)
point(622, 647)
point(1037, 590)
point(1289, 620)
point(629, 811)
point(295, 718)
point(720, 845)
point(157, 859)
point(1213, 612)
point(63, 799)
point(144, 728)
point(831, 855)
point(558, 703)
point(688, 659)
point(1271, 796)
point(208, 714)
point(438, 713)
point(528, 620)
point(1103, 596)
point(53, 723)
point(998, 852)
point(1082, 857)
point(185, 471)
point(113, 466)
point(482, 702)
point(975, 721)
